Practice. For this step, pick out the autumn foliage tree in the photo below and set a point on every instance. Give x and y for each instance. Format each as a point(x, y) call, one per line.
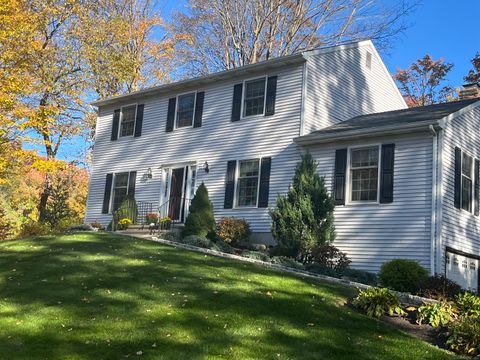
point(473, 75)
point(424, 82)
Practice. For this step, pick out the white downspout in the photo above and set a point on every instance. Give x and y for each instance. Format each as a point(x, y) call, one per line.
point(433, 235)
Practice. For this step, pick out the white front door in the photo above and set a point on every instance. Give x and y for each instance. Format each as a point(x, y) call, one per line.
point(463, 270)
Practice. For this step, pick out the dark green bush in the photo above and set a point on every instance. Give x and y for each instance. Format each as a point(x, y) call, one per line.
point(468, 304)
point(329, 256)
point(402, 275)
point(376, 302)
point(257, 255)
point(437, 314)
point(439, 287)
point(196, 240)
point(200, 220)
point(127, 210)
point(171, 236)
point(464, 336)
point(233, 231)
point(223, 247)
point(288, 262)
point(304, 217)
point(360, 276)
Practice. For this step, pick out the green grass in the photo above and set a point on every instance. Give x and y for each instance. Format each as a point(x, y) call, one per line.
point(98, 296)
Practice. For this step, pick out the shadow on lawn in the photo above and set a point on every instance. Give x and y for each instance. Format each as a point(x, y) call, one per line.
point(101, 296)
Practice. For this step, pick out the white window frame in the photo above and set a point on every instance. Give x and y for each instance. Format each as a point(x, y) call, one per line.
point(119, 135)
point(244, 90)
point(175, 127)
point(348, 183)
point(471, 178)
point(237, 176)
point(112, 190)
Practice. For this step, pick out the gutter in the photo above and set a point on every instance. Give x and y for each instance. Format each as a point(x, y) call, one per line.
point(433, 217)
point(322, 138)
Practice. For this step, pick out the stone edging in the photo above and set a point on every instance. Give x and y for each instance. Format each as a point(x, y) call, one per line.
point(404, 297)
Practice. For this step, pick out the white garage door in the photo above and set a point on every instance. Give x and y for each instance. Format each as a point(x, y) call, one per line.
point(463, 270)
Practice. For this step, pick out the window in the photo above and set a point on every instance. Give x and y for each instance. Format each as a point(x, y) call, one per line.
point(467, 177)
point(364, 174)
point(128, 120)
point(247, 184)
point(185, 109)
point(254, 97)
point(120, 189)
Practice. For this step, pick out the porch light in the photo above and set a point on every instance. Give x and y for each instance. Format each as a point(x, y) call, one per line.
point(205, 167)
point(149, 173)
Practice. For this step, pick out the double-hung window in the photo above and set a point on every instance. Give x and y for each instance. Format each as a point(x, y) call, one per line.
point(254, 97)
point(127, 124)
point(120, 189)
point(364, 174)
point(247, 184)
point(185, 110)
point(467, 182)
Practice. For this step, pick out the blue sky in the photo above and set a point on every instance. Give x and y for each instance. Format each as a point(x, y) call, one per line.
point(441, 28)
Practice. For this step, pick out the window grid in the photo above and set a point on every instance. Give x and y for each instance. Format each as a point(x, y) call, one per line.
point(467, 181)
point(185, 110)
point(128, 120)
point(120, 189)
point(364, 174)
point(254, 97)
point(247, 187)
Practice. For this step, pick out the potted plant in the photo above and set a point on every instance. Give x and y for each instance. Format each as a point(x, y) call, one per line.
point(165, 223)
point(152, 219)
point(124, 223)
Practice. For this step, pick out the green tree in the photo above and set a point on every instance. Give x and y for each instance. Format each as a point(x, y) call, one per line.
point(200, 221)
point(304, 217)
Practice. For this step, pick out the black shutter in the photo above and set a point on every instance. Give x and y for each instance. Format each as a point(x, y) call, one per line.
point(132, 177)
point(237, 102)
point(271, 95)
point(115, 124)
point(139, 121)
point(386, 173)
point(458, 177)
point(171, 114)
point(106, 194)
point(197, 121)
point(340, 172)
point(264, 182)
point(477, 187)
point(230, 184)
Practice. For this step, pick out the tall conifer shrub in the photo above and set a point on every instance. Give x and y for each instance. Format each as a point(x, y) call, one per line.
point(200, 220)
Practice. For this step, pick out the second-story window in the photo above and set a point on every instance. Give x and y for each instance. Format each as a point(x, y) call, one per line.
point(185, 110)
point(254, 97)
point(127, 124)
point(467, 177)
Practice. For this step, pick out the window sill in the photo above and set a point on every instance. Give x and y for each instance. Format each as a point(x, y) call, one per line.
point(363, 203)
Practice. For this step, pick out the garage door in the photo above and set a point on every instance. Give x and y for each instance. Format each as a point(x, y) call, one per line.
point(463, 270)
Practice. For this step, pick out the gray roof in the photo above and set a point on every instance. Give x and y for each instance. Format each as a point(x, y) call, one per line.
point(405, 118)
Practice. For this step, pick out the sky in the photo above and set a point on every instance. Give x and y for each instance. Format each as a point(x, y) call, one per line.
point(441, 28)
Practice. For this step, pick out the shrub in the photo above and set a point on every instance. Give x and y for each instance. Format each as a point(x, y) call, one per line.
point(6, 229)
point(329, 256)
point(33, 228)
point(97, 225)
point(196, 240)
point(200, 221)
point(304, 217)
point(439, 287)
point(257, 255)
point(288, 262)
point(171, 236)
point(124, 223)
point(221, 246)
point(233, 231)
point(81, 227)
point(464, 336)
point(377, 301)
point(128, 209)
point(402, 275)
point(438, 314)
point(363, 277)
point(468, 304)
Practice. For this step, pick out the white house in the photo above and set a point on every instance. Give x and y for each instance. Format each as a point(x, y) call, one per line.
point(394, 172)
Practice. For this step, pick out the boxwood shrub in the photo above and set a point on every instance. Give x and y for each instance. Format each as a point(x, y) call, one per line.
point(402, 275)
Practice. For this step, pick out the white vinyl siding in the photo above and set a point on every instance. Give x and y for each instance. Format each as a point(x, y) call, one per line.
point(217, 141)
point(340, 86)
point(373, 233)
point(460, 229)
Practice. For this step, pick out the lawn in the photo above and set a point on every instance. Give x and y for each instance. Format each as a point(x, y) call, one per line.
point(99, 296)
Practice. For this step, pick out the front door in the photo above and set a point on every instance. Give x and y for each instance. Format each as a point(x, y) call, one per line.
point(176, 192)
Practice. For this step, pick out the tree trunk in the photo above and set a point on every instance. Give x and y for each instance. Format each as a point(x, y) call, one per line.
point(42, 206)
